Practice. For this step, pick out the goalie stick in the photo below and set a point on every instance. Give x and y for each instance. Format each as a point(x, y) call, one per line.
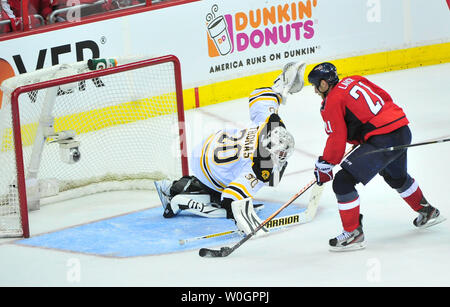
point(300, 218)
point(225, 251)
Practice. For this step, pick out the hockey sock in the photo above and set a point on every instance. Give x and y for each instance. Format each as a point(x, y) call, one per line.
point(412, 194)
point(349, 211)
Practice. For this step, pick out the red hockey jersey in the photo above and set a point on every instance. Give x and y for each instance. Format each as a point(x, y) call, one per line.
point(353, 111)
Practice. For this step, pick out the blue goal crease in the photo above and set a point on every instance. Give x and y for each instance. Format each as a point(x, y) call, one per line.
point(145, 232)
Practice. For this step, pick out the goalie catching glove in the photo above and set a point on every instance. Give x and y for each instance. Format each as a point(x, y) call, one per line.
point(290, 81)
point(323, 171)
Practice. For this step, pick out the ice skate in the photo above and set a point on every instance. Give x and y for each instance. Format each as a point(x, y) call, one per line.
point(428, 216)
point(347, 241)
point(163, 189)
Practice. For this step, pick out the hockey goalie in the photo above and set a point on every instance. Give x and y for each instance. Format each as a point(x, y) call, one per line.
point(232, 165)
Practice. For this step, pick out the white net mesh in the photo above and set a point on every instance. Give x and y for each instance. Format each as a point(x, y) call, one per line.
point(126, 124)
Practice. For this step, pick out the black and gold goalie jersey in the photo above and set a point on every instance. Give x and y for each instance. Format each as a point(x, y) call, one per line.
point(234, 162)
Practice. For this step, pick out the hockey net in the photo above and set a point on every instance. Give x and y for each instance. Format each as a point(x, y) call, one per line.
point(78, 129)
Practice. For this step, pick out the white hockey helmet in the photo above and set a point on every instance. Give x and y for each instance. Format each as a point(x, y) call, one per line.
point(280, 143)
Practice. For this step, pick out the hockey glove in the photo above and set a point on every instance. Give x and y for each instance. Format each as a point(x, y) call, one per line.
point(323, 171)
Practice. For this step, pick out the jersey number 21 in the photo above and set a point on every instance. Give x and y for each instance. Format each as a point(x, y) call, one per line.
point(374, 106)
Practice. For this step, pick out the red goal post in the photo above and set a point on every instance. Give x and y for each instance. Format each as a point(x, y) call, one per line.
point(112, 125)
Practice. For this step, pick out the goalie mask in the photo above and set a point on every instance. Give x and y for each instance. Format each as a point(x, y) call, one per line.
point(280, 143)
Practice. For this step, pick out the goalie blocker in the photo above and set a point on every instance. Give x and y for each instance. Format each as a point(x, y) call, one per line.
point(245, 217)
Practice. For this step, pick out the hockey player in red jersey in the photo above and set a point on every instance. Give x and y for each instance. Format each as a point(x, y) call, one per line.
point(358, 112)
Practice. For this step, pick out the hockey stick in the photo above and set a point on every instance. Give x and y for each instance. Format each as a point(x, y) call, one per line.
point(213, 235)
point(299, 218)
point(392, 148)
point(290, 220)
point(225, 251)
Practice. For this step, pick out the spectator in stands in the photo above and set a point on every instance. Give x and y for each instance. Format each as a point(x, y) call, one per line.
point(87, 7)
point(37, 12)
point(73, 10)
point(7, 14)
point(57, 5)
point(40, 11)
point(40, 7)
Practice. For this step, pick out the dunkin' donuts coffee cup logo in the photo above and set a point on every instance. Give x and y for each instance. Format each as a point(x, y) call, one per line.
point(219, 33)
point(260, 27)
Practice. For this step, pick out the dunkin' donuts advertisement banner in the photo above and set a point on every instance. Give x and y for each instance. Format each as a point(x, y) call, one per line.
point(227, 39)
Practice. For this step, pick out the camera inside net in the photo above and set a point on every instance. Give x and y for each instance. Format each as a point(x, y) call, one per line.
point(69, 151)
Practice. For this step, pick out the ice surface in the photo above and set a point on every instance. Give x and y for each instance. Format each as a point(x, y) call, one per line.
point(397, 253)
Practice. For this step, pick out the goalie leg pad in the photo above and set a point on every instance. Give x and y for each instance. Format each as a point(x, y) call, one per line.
point(245, 217)
point(198, 204)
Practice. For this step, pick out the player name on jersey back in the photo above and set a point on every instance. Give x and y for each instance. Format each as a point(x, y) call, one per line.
point(250, 142)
